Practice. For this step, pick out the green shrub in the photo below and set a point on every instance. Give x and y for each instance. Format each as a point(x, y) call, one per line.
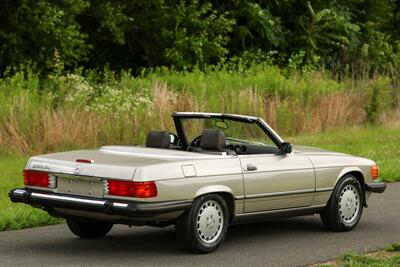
point(379, 99)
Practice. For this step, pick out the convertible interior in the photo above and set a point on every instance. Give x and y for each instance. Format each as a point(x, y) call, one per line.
point(211, 141)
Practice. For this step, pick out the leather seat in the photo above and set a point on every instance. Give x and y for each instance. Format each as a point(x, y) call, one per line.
point(214, 140)
point(159, 139)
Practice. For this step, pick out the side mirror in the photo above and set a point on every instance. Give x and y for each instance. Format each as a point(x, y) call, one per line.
point(286, 148)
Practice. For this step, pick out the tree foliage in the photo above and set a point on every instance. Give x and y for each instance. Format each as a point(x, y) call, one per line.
point(182, 34)
point(32, 32)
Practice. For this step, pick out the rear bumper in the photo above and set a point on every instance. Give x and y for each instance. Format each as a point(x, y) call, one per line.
point(375, 187)
point(48, 200)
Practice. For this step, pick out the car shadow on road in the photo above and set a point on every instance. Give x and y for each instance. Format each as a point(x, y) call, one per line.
point(144, 241)
point(282, 227)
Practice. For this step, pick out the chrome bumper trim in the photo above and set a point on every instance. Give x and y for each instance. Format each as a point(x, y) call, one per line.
point(48, 201)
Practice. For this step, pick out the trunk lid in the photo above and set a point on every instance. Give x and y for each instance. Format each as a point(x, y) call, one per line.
point(119, 162)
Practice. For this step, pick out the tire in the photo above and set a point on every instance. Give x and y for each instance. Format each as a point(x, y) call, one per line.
point(203, 227)
point(90, 229)
point(344, 208)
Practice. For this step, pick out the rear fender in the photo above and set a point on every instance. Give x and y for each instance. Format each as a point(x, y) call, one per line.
point(213, 189)
point(223, 191)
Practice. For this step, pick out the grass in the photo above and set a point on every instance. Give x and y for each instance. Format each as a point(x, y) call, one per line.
point(377, 143)
point(387, 258)
point(380, 144)
point(17, 216)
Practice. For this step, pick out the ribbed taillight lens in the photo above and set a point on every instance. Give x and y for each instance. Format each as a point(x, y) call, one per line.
point(132, 189)
point(37, 178)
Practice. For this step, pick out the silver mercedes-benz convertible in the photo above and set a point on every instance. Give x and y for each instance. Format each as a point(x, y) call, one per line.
point(217, 169)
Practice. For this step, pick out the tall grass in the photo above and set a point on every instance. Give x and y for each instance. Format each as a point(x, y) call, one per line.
point(39, 115)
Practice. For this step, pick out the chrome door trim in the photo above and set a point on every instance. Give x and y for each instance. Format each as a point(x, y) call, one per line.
point(286, 170)
point(325, 189)
point(281, 211)
point(275, 194)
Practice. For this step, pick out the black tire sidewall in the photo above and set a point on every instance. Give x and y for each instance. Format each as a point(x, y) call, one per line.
point(192, 238)
point(347, 180)
point(89, 229)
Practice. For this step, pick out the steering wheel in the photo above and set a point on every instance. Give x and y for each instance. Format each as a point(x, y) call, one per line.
point(194, 143)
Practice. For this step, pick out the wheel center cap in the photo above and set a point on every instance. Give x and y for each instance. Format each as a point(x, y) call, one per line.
point(349, 203)
point(210, 222)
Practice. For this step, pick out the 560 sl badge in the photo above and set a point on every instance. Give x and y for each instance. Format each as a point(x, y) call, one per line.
point(36, 165)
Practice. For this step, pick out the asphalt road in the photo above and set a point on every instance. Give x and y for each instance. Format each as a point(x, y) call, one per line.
point(291, 242)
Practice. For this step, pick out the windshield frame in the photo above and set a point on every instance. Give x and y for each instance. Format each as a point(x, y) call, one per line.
point(179, 116)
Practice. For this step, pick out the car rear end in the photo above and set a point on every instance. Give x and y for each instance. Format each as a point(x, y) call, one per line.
point(97, 187)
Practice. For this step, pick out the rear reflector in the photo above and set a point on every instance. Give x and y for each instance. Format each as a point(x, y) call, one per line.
point(132, 189)
point(35, 178)
point(374, 171)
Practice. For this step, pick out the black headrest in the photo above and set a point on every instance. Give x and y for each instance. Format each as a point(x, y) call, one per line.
point(158, 140)
point(213, 139)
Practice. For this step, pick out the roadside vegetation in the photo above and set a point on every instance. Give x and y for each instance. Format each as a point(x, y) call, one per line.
point(63, 111)
point(81, 73)
point(386, 258)
point(17, 216)
point(379, 143)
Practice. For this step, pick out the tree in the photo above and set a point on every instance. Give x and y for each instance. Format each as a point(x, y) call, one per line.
point(33, 31)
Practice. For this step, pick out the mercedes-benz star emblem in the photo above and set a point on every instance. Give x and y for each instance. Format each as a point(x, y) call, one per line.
point(77, 169)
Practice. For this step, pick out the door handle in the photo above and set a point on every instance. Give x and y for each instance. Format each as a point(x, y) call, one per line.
point(251, 167)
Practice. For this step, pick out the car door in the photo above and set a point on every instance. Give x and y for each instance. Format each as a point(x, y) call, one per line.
point(277, 181)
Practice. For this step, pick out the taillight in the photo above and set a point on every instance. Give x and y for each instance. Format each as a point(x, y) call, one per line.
point(37, 178)
point(374, 171)
point(132, 189)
